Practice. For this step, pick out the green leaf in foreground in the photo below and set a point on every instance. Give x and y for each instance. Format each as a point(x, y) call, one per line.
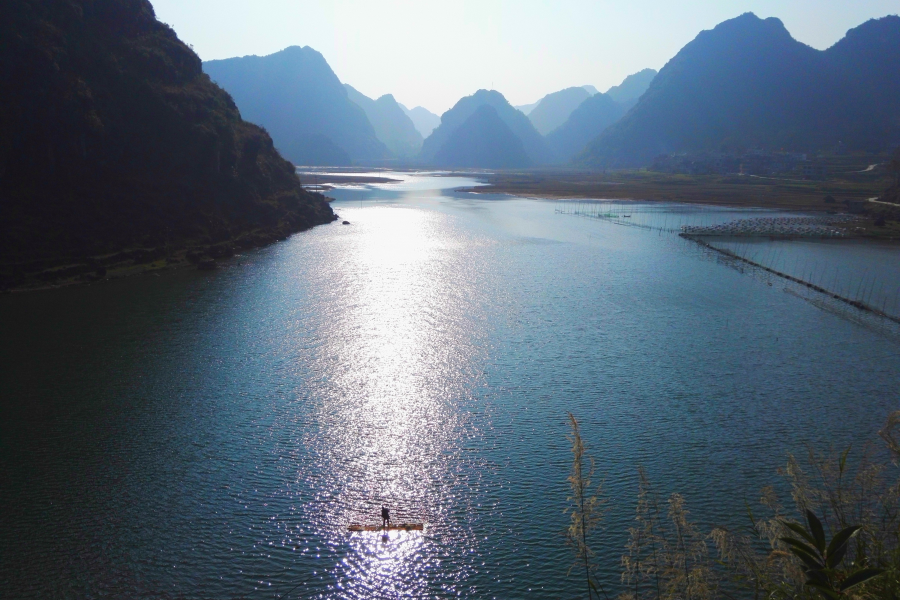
point(860, 577)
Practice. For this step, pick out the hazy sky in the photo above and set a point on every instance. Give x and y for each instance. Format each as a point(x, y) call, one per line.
point(431, 53)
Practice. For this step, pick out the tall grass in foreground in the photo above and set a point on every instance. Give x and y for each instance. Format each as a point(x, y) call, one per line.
point(586, 511)
point(841, 539)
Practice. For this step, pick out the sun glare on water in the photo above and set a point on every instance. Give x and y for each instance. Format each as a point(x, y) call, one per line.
point(398, 369)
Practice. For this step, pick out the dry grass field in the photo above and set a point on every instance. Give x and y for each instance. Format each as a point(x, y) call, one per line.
point(847, 179)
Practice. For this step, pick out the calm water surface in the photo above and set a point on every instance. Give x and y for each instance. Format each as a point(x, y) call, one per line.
point(211, 435)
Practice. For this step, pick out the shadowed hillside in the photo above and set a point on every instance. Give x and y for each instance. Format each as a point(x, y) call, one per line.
point(114, 146)
point(632, 87)
point(553, 109)
point(424, 120)
point(526, 109)
point(586, 122)
point(535, 146)
point(392, 125)
point(297, 97)
point(748, 83)
point(483, 141)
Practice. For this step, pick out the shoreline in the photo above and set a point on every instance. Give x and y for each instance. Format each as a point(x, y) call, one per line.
point(727, 189)
point(733, 191)
point(63, 273)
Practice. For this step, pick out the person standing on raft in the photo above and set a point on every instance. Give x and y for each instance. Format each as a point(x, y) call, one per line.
point(385, 517)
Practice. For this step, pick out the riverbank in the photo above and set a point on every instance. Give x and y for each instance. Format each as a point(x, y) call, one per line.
point(201, 254)
point(724, 190)
point(850, 192)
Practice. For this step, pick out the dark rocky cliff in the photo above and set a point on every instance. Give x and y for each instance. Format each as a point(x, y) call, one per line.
point(116, 149)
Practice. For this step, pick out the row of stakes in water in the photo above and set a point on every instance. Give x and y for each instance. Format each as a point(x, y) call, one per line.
point(861, 286)
point(711, 221)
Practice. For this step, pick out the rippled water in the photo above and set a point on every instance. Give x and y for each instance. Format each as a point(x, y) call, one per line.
point(857, 270)
point(211, 435)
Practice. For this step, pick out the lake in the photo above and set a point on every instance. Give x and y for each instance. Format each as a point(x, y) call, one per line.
point(212, 434)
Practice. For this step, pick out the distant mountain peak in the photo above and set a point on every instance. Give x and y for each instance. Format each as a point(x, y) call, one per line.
point(299, 99)
point(527, 108)
point(534, 144)
point(632, 87)
point(293, 53)
point(304, 49)
point(424, 120)
point(884, 30)
point(748, 83)
point(483, 140)
point(585, 123)
point(553, 109)
point(748, 24)
point(489, 96)
point(392, 124)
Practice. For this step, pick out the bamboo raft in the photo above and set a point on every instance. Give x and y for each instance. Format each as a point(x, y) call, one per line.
point(393, 527)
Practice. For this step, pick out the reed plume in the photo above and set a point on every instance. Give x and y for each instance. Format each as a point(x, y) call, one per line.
point(861, 495)
point(842, 542)
point(666, 559)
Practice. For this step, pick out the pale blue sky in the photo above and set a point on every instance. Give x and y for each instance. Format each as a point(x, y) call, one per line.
point(431, 53)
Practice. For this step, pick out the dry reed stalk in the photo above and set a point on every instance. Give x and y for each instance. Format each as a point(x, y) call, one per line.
point(586, 511)
point(861, 492)
point(641, 563)
point(667, 557)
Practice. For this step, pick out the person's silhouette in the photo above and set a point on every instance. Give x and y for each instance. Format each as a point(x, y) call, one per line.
point(385, 516)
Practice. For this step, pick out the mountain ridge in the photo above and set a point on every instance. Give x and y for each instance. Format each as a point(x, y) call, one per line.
point(748, 83)
point(632, 87)
point(483, 140)
point(535, 146)
point(295, 95)
point(553, 109)
point(393, 127)
point(424, 120)
point(586, 122)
